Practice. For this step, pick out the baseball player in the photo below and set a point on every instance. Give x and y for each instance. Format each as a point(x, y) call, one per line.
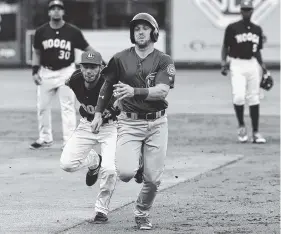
point(141, 77)
point(78, 151)
point(53, 63)
point(243, 41)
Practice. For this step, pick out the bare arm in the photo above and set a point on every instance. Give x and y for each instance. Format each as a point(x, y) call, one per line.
point(36, 57)
point(224, 53)
point(260, 60)
point(159, 92)
point(90, 48)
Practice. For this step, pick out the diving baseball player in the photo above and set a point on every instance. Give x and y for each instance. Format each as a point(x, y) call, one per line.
point(52, 64)
point(243, 41)
point(86, 83)
point(140, 77)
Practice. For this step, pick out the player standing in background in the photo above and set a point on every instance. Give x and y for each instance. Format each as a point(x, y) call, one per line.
point(243, 41)
point(141, 77)
point(52, 64)
point(78, 152)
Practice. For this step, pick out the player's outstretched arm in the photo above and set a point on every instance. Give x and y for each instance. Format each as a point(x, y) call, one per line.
point(103, 100)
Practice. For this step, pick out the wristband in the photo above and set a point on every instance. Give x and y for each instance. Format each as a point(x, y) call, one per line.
point(141, 93)
point(35, 69)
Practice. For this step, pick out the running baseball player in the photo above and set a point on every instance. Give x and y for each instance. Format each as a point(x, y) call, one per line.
point(78, 152)
point(243, 41)
point(140, 78)
point(52, 64)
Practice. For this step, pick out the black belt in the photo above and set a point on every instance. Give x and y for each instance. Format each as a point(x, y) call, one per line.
point(147, 116)
point(91, 117)
point(53, 68)
point(236, 57)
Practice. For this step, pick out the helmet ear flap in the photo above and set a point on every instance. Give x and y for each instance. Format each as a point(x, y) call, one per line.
point(154, 35)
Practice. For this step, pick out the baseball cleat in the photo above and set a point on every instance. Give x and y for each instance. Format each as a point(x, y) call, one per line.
point(100, 218)
point(92, 174)
point(258, 138)
point(242, 135)
point(143, 223)
point(38, 144)
point(139, 176)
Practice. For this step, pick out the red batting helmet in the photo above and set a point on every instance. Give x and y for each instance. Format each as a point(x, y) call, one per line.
point(149, 19)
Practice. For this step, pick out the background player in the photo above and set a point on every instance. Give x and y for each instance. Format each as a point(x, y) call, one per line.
point(243, 41)
point(53, 63)
point(78, 153)
point(141, 77)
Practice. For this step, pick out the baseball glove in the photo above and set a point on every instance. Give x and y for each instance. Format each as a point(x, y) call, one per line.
point(266, 81)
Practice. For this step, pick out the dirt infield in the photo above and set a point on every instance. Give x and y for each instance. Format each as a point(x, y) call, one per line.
point(237, 193)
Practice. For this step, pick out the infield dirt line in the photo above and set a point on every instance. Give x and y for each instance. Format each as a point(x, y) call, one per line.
point(239, 157)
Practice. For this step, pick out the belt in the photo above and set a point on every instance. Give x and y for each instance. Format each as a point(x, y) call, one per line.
point(53, 68)
point(105, 121)
point(146, 116)
point(236, 57)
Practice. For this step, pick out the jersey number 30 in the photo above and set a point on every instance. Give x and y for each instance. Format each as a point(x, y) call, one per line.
point(64, 55)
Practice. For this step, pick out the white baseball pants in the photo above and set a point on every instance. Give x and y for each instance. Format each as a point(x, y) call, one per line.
point(245, 81)
point(52, 83)
point(76, 155)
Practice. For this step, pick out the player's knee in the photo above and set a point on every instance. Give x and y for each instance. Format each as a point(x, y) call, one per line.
point(125, 176)
point(238, 99)
point(66, 165)
point(254, 100)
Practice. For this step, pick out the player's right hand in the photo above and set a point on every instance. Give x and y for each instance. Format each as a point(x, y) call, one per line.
point(224, 69)
point(37, 79)
point(96, 123)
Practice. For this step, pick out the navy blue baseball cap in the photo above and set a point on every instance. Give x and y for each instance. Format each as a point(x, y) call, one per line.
point(246, 4)
point(91, 57)
point(54, 3)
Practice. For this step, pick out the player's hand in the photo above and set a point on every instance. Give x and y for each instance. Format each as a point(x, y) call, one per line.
point(96, 123)
point(37, 79)
point(122, 91)
point(224, 68)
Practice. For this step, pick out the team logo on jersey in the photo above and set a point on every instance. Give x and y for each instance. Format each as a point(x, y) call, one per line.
point(56, 43)
point(171, 70)
point(223, 12)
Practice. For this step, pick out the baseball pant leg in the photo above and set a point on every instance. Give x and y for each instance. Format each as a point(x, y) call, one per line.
point(45, 94)
point(131, 134)
point(154, 154)
point(107, 137)
point(238, 82)
point(253, 83)
point(68, 111)
point(76, 153)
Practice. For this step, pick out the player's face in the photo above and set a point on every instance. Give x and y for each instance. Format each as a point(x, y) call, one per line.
point(56, 13)
point(246, 13)
point(90, 71)
point(142, 34)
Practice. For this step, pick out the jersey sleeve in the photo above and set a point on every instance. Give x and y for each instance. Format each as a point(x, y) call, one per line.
point(166, 73)
point(260, 46)
point(227, 36)
point(80, 41)
point(111, 71)
point(36, 42)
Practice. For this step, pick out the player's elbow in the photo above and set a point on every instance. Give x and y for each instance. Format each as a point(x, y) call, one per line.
point(163, 91)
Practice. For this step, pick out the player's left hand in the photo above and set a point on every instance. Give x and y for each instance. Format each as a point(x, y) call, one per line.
point(122, 91)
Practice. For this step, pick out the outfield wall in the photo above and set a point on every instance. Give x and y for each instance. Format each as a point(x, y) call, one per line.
point(198, 26)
